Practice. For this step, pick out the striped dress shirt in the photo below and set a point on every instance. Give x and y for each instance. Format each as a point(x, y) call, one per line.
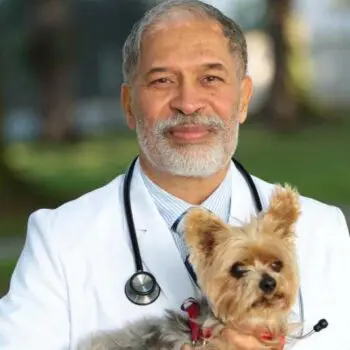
point(171, 207)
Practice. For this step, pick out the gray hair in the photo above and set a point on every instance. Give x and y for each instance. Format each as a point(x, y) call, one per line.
point(132, 46)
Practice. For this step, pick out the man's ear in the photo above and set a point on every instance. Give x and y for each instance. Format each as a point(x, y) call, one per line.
point(246, 91)
point(126, 99)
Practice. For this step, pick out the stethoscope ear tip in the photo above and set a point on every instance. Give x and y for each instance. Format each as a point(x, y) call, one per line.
point(321, 324)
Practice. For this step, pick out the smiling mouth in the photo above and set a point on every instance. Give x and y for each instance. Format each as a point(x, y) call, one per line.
point(189, 133)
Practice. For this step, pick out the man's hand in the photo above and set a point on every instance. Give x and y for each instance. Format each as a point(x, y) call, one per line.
point(244, 341)
point(240, 341)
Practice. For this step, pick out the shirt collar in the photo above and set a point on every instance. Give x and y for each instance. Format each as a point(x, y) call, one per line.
point(171, 207)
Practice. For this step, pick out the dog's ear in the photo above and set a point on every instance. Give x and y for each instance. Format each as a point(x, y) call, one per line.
point(202, 231)
point(282, 213)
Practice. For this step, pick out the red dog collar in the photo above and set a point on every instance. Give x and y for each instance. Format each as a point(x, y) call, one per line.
point(198, 335)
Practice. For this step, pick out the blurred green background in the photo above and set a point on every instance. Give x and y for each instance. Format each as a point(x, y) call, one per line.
point(62, 132)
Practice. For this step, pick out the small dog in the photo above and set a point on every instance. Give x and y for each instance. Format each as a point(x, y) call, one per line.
point(248, 276)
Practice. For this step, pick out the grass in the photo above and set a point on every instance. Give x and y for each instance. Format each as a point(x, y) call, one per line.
point(316, 160)
point(13, 224)
point(6, 268)
point(67, 171)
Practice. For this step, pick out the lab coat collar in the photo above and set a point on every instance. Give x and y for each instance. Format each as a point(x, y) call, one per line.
point(241, 208)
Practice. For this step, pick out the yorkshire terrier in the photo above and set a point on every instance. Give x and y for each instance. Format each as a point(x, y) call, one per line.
point(248, 277)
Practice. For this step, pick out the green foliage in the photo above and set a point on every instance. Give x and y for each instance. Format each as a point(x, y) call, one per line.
point(6, 269)
point(13, 225)
point(316, 159)
point(68, 171)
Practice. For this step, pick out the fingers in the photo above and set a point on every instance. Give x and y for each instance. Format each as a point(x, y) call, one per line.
point(186, 347)
point(242, 341)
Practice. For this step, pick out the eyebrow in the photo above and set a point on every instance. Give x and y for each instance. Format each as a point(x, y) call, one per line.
point(205, 66)
point(157, 70)
point(214, 66)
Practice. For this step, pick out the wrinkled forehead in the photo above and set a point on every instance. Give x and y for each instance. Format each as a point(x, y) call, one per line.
point(181, 21)
point(180, 17)
point(186, 44)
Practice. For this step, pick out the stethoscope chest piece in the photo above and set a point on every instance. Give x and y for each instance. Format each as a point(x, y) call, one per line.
point(142, 288)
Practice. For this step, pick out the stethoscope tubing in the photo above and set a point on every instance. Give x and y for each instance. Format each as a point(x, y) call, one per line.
point(129, 216)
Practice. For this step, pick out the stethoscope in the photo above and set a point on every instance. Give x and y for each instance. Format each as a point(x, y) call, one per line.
point(142, 287)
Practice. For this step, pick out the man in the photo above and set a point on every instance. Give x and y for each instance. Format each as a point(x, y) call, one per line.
point(186, 92)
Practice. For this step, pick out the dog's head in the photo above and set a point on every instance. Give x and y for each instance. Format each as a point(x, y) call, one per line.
point(248, 273)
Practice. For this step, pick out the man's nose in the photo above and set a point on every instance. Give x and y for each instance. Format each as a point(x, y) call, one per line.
point(188, 100)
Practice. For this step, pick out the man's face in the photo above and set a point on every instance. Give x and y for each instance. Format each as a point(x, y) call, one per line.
point(187, 99)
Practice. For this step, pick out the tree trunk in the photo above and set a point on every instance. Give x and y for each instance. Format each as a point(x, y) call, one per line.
point(51, 57)
point(281, 107)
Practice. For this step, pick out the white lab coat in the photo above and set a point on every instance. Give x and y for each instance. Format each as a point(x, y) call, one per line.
point(70, 278)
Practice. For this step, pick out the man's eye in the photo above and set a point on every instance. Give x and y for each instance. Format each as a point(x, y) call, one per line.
point(160, 81)
point(212, 78)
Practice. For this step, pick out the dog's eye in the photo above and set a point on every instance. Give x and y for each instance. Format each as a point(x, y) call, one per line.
point(277, 266)
point(238, 270)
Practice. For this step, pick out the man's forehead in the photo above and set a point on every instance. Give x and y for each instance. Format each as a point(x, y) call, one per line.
point(184, 18)
point(197, 36)
point(193, 26)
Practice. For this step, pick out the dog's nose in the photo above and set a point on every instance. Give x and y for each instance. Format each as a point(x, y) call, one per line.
point(267, 283)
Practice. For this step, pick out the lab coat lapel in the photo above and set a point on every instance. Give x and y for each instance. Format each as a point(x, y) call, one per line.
point(159, 252)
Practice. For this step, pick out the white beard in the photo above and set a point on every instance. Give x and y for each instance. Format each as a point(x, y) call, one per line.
point(191, 160)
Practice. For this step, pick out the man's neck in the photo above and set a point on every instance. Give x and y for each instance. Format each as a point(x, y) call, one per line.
point(193, 190)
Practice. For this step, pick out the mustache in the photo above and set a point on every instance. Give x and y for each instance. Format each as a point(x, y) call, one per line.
point(211, 122)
